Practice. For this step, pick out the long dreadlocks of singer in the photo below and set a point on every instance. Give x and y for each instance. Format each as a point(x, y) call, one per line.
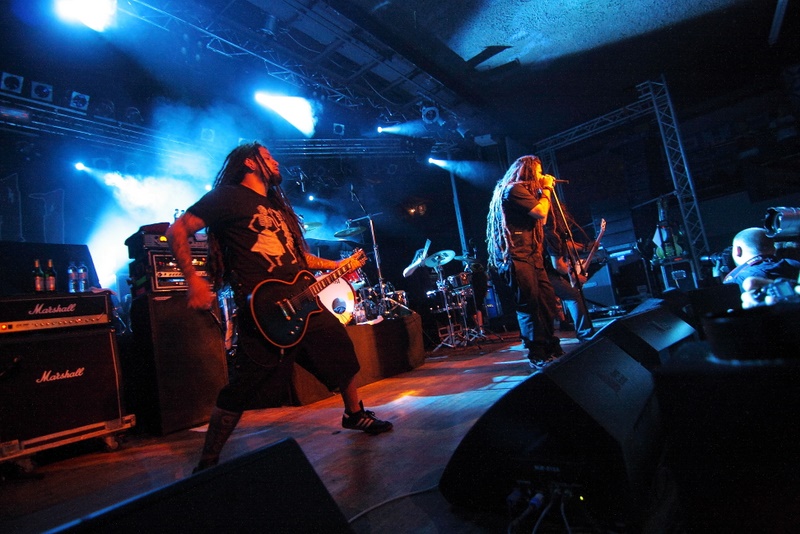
point(497, 232)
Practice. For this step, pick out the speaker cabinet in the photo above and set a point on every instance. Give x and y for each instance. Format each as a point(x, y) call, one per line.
point(274, 489)
point(651, 335)
point(588, 422)
point(176, 363)
point(599, 290)
point(58, 387)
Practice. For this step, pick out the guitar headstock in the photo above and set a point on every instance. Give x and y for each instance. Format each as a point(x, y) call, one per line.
point(602, 225)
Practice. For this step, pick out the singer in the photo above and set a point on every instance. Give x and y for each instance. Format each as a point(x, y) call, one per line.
point(518, 212)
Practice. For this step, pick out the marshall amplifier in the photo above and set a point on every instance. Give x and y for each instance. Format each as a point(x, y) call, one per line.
point(59, 386)
point(45, 311)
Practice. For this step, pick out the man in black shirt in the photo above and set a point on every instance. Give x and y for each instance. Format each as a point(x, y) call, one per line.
point(255, 235)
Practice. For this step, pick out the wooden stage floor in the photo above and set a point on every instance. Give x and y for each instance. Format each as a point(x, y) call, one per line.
point(384, 483)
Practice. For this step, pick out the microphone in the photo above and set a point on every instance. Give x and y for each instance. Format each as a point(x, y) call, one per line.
point(557, 181)
point(352, 193)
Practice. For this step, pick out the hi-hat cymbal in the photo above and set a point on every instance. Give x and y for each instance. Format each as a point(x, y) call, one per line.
point(440, 258)
point(347, 232)
point(464, 258)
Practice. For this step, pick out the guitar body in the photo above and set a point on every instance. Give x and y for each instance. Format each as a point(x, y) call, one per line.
point(284, 326)
point(281, 310)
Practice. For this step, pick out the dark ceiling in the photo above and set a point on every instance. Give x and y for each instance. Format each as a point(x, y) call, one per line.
point(507, 67)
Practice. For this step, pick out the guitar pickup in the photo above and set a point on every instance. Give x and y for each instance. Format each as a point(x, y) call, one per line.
point(286, 308)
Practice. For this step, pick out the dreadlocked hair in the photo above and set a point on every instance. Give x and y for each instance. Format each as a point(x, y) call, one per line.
point(497, 234)
point(233, 172)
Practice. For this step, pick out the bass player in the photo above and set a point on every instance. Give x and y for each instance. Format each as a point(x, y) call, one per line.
point(567, 273)
point(255, 237)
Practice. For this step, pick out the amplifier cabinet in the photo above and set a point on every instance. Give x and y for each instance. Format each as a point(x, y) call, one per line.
point(176, 364)
point(58, 387)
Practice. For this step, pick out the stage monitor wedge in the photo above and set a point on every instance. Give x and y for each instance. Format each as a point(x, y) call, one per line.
point(274, 489)
point(649, 335)
point(589, 422)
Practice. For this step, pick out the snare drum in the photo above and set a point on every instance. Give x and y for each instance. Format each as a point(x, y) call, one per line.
point(340, 299)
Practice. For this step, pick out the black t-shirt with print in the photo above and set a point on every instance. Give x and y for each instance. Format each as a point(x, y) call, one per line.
point(253, 235)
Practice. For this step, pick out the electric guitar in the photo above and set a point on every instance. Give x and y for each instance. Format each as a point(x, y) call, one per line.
point(581, 271)
point(281, 309)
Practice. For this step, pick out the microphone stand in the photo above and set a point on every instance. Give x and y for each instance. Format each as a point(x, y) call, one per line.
point(568, 240)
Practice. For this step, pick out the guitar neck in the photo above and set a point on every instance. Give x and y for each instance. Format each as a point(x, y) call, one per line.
point(328, 279)
point(595, 245)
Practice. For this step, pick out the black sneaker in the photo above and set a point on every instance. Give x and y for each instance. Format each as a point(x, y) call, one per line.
point(365, 421)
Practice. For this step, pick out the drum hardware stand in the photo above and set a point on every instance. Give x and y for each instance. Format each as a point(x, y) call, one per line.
point(381, 281)
point(448, 335)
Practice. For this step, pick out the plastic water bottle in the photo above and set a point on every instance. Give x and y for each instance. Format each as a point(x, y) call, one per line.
point(72, 277)
point(83, 278)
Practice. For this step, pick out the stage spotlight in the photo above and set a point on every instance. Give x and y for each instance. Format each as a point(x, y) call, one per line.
point(79, 101)
point(11, 83)
point(133, 116)
point(42, 91)
point(105, 109)
point(338, 129)
point(96, 14)
point(270, 26)
point(437, 162)
point(207, 135)
point(430, 115)
point(297, 111)
point(81, 167)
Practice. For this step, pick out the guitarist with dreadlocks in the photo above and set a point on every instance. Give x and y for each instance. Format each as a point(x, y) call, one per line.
point(518, 212)
point(257, 246)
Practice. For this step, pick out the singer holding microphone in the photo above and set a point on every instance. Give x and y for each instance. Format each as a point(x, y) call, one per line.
point(518, 212)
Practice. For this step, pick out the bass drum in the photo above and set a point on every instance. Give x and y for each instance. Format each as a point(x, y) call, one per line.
point(340, 299)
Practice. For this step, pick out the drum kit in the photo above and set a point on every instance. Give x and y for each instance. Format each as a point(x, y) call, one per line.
point(352, 297)
point(451, 300)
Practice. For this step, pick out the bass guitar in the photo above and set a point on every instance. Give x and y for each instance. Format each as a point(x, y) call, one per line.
point(581, 270)
point(281, 310)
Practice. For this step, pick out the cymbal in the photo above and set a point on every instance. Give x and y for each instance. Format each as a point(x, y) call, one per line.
point(440, 258)
point(311, 226)
point(347, 232)
point(464, 258)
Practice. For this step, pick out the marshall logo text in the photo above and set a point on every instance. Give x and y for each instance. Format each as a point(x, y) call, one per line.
point(50, 376)
point(40, 309)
